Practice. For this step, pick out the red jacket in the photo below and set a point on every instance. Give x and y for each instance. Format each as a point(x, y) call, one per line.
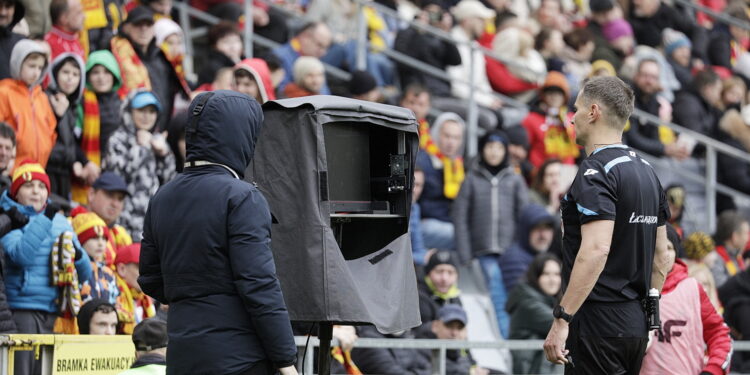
point(679, 347)
point(550, 140)
point(501, 79)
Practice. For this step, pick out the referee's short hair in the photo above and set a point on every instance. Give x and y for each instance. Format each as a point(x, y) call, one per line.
point(614, 95)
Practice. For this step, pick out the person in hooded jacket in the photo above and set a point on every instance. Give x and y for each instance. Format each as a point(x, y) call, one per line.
point(11, 13)
point(65, 90)
point(141, 156)
point(393, 361)
point(693, 337)
point(253, 78)
point(534, 237)
point(206, 250)
point(485, 215)
point(530, 307)
point(98, 115)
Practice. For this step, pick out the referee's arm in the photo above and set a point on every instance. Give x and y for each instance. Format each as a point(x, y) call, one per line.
point(661, 259)
point(596, 238)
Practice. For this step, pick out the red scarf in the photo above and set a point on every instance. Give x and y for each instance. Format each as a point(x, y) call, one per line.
point(731, 267)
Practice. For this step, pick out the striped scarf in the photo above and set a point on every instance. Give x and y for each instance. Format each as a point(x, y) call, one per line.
point(453, 169)
point(90, 123)
point(128, 302)
point(133, 71)
point(345, 359)
point(732, 268)
point(177, 66)
point(65, 278)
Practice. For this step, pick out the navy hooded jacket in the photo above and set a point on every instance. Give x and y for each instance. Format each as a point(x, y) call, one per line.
point(206, 250)
point(516, 260)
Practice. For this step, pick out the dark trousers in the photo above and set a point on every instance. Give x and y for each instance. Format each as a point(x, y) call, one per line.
point(31, 321)
point(605, 355)
point(260, 368)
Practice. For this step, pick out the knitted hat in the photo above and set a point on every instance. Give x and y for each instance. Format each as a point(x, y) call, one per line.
point(673, 39)
point(89, 225)
point(438, 258)
point(602, 64)
point(27, 171)
point(150, 334)
point(362, 82)
point(698, 245)
point(557, 80)
point(599, 6)
point(165, 27)
point(89, 309)
point(617, 29)
point(128, 254)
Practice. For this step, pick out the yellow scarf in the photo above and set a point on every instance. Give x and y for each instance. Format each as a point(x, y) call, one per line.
point(126, 305)
point(453, 292)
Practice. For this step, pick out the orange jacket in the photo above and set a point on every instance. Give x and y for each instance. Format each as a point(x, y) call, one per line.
point(28, 111)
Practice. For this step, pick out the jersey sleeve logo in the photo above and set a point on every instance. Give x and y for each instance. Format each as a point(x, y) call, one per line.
point(590, 172)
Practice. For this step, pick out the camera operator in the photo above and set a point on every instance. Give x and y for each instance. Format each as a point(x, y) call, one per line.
point(614, 243)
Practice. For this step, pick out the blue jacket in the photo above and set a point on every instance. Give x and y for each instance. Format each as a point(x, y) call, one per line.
point(288, 56)
point(206, 250)
point(27, 256)
point(418, 250)
point(516, 260)
point(433, 202)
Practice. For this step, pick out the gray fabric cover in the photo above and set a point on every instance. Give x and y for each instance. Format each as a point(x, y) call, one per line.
point(318, 283)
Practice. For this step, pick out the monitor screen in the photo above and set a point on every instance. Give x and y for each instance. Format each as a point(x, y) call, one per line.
point(348, 156)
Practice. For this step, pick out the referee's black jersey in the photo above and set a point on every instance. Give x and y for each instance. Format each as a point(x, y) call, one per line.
point(614, 183)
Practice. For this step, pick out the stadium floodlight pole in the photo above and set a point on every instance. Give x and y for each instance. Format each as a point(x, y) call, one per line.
point(248, 32)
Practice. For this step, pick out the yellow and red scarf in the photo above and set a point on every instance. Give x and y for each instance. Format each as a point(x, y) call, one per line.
point(345, 359)
point(453, 169)
point(127, 303)
point(133, 71)
point(90, 141)
point(177, 66)
point(731, 267)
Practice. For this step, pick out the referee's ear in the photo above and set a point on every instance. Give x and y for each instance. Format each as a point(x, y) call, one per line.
point(595, 112)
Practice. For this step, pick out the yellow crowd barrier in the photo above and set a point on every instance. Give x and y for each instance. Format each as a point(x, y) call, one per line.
point(70, 354)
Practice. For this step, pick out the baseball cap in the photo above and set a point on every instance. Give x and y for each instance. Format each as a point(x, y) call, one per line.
point(150, 334)
point(472, 8)
point(140, 14)
point(144, 99)
point(452, 312)
point(128, 254)
point(110, 181)
point(598, 6)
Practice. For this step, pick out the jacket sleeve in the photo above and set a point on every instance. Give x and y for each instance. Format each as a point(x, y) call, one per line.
point(417, 241)
point(254, 274)
point(5, 225)
point(451, 56)
point(460, 208)
point(716, 337)
point(165, 167)
point(21, 245)
point(687, 113)
point(521, 197)
point(635, 139)
point(150, 279)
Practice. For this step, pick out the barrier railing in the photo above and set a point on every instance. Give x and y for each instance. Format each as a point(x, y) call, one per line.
point(105, 355)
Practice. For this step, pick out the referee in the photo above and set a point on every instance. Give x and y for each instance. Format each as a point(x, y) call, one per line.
point(614, 242)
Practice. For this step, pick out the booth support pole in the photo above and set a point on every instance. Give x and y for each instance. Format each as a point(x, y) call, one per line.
point(325, 335)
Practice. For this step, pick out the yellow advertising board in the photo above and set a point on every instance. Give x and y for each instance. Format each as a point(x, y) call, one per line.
point(92, 355)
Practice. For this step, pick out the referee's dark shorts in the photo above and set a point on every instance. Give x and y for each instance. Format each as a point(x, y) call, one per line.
point(607, 338)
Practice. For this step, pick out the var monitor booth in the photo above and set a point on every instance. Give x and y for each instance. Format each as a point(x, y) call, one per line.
point(338, 176)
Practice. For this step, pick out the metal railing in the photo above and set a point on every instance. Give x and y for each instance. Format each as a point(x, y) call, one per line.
point(712, 146)
point(439, 348)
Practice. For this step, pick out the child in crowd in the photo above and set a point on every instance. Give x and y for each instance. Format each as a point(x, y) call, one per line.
point(24, 105)
point(100, 113)
point(133, 306)
point(252, 77)
point(693, 337)
point(141, 155)
point(92, 233)
point(65, 91)
point(485, 215)
point(309, 78)
point(32, 263)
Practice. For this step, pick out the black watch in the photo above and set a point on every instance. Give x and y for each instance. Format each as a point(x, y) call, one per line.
point(559, 313)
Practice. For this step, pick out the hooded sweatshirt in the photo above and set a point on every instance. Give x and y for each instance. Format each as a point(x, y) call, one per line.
point(516, 260)
point(8, 39)
point(209, 254)
point(66, 150)
point(100, 112)
point(142, 169)
point(262, 75)
point(433, 201)
point(689, 325)
point(27, 109)
point(487, 208)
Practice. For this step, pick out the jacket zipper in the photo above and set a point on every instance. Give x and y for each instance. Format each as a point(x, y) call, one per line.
point(33, 122)
point(495, 181)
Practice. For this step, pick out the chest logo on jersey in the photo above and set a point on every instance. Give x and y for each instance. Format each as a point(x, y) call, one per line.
point(590, 172)
point(666, 333)
point(642, 219)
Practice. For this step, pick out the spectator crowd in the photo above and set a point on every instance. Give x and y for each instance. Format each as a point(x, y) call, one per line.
point(93, 102)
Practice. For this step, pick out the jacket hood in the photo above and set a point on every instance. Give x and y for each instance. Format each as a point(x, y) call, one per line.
point(18, 13)
point(225, 131)
point(531, 215)
point(6, 202)
point(678, 273)
point(442, 119)
point(107, 60)
point(259, 69)
point(57, 64)
point(20, 52)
